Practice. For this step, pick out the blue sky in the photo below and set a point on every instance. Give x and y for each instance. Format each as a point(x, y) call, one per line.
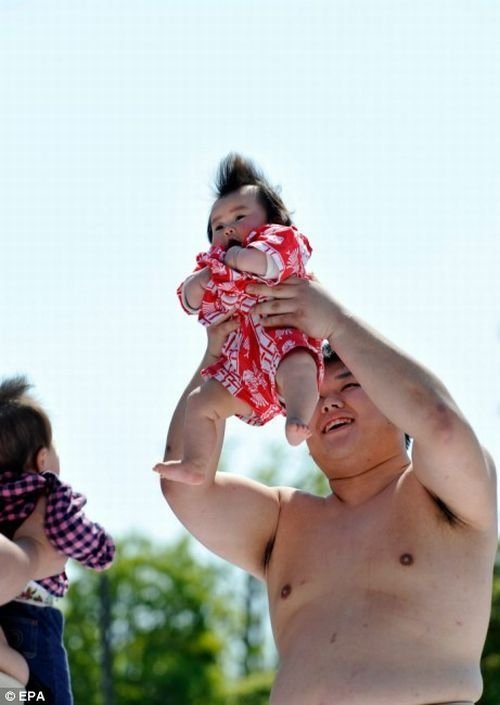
point(380, 121)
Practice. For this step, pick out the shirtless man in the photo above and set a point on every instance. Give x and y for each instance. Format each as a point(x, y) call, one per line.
point(379, 594)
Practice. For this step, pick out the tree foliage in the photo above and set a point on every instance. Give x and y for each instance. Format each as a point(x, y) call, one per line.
point(168, 623)
point(490, 663)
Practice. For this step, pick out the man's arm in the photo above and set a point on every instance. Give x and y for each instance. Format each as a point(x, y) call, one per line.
point(448, 458)
point(29, 556)
point(233, 516)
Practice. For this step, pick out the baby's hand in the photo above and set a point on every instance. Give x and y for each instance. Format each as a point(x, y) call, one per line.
point(203, 276)
point(231, 256)
point(194, 288)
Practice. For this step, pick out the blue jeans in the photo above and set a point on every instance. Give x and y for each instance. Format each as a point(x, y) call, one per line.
point(37, 633)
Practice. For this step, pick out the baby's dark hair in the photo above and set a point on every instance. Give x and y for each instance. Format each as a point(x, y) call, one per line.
point(24, 426)
point(330, 357)
point(235, 171)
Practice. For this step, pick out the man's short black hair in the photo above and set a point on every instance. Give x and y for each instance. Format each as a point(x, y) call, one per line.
point(329, 354)
point(235, 171)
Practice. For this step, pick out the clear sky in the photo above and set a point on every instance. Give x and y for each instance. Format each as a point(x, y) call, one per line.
point(380, 120)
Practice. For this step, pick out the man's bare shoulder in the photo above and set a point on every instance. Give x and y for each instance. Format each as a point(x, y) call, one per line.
point(296, 507)
point(293, 498)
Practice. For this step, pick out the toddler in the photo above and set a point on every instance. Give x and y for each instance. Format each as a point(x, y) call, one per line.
point(262, 372)
point(32, 653)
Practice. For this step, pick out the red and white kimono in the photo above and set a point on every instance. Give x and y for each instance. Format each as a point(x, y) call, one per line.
point(251, 355)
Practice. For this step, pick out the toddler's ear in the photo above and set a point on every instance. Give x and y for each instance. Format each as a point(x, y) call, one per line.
point(41, 459)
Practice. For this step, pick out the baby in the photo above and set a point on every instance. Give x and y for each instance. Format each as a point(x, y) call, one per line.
point(32, 653)
point(262, 372)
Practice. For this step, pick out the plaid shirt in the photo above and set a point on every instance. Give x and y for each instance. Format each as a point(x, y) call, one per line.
point(66, 526)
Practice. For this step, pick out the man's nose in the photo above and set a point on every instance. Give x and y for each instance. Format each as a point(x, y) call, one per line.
point(331, 402)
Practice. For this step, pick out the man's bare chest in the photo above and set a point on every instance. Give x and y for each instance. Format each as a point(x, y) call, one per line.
point(345, 544)
point(394, 546)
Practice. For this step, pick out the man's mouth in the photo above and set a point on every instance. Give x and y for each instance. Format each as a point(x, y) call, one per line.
point(337, 423)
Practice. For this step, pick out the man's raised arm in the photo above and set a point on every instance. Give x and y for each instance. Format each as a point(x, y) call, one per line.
point(447, 456)
point(231, 515)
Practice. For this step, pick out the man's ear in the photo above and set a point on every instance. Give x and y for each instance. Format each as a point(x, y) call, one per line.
point(41, 459)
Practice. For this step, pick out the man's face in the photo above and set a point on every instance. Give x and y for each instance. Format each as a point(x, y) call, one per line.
point(346, 425)
point(235, 216)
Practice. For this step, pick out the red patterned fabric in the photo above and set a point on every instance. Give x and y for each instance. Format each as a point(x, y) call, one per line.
point(251, 355)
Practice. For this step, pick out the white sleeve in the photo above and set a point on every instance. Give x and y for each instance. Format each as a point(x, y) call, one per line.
point(272, 269)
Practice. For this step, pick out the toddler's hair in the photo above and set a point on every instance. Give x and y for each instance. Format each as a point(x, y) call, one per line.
point(24, 426)
point(235, 171)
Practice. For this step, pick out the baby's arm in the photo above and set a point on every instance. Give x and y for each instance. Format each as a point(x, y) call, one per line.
point(72, 532)
point(249, 259)
point(193, 289)
point(29, 556)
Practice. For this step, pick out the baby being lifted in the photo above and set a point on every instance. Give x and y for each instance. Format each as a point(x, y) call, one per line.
point(262, 372)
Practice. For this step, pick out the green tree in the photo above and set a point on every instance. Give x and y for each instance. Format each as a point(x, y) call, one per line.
point(167, 631)
point(490, 663)
point(254, 689)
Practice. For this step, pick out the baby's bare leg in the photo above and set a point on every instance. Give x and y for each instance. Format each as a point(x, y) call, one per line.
point(205, 406)
point(297, 381)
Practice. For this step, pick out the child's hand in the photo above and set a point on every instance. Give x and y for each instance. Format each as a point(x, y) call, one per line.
point(218, 332)
point(203, 277)
point(231, 256)
point(247, 259)
point(194, 288)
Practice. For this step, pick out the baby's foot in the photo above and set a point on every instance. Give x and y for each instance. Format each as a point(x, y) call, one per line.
point(296, 431)
point(180, 471)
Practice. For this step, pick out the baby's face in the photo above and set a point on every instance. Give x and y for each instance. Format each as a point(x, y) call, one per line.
point(235, 216)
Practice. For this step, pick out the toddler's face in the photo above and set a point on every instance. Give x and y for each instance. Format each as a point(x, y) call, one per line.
point(235, 216)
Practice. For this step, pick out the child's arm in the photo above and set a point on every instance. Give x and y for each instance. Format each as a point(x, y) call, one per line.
point(193, 289)
point(29, 556)
point(73, 533)
point(249, 259)
point(19, 562)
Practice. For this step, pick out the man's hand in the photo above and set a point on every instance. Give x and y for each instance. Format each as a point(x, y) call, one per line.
point(31, 537)
point(300, 303)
